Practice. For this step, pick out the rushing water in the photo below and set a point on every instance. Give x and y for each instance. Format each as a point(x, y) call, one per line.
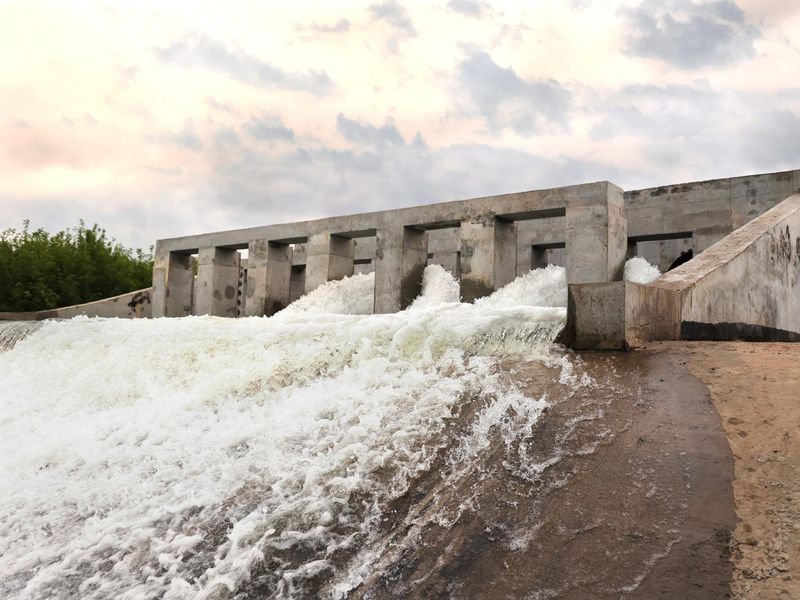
point(218, 458)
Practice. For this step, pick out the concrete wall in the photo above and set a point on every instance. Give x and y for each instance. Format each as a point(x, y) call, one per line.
point(709, 210)
point(619, 316)
point(476, 239)
point(132, 305)
point(668, 219)
point(747, 282)
point(746, 286)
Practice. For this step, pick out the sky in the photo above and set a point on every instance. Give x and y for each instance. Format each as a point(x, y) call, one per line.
point(160, 119)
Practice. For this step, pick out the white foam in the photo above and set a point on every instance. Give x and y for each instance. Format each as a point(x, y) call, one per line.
point(638, 270)
point(349, 296)
point(539, 287)
point(141, 458)
point(438, 287)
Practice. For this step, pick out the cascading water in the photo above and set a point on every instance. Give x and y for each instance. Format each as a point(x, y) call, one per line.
point(13, 331)
point(219, 458)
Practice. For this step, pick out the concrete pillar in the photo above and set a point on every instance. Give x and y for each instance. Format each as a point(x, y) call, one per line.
point(488, 255)
point(328, 258)
point(401, 254)
point(269, 272)
point(173, 281)
point(217, 282)
point(597, 235)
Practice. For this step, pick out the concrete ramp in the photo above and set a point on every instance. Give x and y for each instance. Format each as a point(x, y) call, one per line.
point(747, 285)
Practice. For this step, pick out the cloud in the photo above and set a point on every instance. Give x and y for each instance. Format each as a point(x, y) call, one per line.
point(202, 51)
point(689, 35)
point(269, 127)
point(356, 131)
point(398, 19)
point(186, 138)
point(699, 131)
point(395, 14)
point(469, 8)
point(506, 100)
point(340, 26)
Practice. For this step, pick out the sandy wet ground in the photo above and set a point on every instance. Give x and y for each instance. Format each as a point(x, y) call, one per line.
point(756, 389)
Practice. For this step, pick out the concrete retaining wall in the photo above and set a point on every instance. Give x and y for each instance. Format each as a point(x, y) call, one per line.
point(746, 285)
point(132, 305)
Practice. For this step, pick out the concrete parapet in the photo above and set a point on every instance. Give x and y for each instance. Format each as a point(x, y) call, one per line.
point(328, 258)
point(217, 282)
point(133, 305)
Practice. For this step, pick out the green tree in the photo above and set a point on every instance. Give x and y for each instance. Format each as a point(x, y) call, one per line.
point(39, 271)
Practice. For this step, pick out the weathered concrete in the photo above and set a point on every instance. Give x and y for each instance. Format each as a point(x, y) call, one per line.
point(329, 243)
point(328, 258)
point(751, 277)
point(619, 316)
point(488, 255)
point(449, 261)
point(589, 228)
point(269, 272)
point(297, 287)
point(133, 305)
point(217, 282)
point(746, 286)
point(400, 257)
point(705, 206)
point(597, 239)
point(173, 284)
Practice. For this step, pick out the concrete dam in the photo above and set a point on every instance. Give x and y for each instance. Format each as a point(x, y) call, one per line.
point(404, 409)
point(589, 229)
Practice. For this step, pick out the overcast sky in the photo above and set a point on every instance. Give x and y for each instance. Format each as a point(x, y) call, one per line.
point(158, 119)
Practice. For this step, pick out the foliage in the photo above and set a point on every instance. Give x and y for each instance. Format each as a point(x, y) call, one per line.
point(39, 271)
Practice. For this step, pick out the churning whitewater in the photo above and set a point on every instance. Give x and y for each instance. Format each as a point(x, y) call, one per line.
point(216, 458)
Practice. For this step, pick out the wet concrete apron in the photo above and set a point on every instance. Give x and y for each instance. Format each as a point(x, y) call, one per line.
point(622, 490)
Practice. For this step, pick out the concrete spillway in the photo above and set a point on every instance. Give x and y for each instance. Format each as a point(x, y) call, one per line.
point(447, 450)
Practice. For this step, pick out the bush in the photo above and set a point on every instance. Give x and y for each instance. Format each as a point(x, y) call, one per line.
point(39, 271)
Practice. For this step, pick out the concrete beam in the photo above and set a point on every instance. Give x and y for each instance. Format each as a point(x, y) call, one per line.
point(488, 255)
point(328, 258)
point(217, 282)
point(269, 272)
point(401, 254)
point(597, 236)
point(173, 282)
